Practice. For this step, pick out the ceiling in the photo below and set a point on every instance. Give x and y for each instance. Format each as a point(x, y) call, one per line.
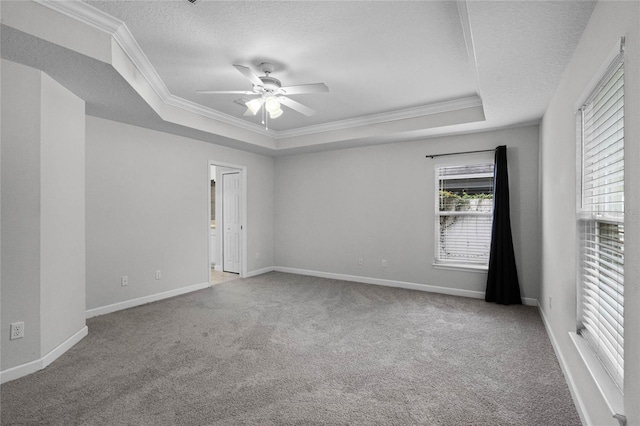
point(396, 70)
point(351, 46)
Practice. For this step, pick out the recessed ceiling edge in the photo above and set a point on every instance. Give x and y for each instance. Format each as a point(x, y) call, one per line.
point(118, 30)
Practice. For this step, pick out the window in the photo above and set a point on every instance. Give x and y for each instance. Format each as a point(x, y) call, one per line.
point(464, 210)
point(601, 222)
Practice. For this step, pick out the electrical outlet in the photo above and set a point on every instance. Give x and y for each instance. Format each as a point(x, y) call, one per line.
point(17, 330)
point(384, 263)
point(158, 274)
point(360, 261)
point(124, 281)
point(258, 255)
point(549, 302)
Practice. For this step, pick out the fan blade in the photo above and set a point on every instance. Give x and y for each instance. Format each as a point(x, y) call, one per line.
point(305, 88)
point(224, 92)
point(252, 76)
point(296, 106)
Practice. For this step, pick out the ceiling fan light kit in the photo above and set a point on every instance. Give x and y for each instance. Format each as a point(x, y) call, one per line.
point(254, 105)
point(271, 93)
point(272, 104)
point(275, 114)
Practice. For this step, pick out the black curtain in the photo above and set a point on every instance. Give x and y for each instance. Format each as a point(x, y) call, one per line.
point(502, 280)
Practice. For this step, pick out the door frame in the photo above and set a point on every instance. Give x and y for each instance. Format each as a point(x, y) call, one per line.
point(243, 214)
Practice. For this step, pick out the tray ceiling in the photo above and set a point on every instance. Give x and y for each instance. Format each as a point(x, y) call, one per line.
point(396, 70)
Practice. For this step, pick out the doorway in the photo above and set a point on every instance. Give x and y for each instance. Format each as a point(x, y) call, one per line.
point(227, 218)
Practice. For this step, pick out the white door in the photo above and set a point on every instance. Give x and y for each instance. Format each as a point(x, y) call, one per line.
point(231, 222)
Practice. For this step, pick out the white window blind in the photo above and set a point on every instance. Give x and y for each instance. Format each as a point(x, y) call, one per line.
point(601, 221)
point(464, 213)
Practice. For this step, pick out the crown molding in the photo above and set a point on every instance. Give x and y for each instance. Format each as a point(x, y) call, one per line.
point(435, 108)
point(118, 30)
point(84, 13)
point(465, 22)
point(102, 21)
point(210, 113)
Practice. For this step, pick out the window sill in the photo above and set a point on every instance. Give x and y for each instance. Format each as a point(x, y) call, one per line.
point(462, 267)
point(607, 387)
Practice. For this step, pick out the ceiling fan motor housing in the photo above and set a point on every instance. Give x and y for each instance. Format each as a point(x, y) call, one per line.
point(271, 84)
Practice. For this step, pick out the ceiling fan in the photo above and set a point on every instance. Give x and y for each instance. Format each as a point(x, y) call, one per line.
point(271, 94)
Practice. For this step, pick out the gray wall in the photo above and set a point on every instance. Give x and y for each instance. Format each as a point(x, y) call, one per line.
point(42, 213)
point(147, 209)
point(377, 202)
point(62, 203)
point(558, 202)
point(20, 211)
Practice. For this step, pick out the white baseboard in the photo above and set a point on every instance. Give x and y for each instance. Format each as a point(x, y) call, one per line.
point(143, 300)
point(259, 272)
point(392, 283)
point(33, 366)
point(573, 389)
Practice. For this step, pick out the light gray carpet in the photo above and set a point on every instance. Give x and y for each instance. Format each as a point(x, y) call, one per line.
point(290, 350)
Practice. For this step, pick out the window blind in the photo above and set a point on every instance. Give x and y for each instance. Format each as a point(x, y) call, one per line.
point(601, 221)
point(464, 214)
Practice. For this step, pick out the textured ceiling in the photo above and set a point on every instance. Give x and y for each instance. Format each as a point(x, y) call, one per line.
point(374, 56)
point(105, 92)
point(377, 57)
point(522, 48)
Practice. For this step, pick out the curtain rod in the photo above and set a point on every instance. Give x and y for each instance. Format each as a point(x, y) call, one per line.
point(457, 153)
